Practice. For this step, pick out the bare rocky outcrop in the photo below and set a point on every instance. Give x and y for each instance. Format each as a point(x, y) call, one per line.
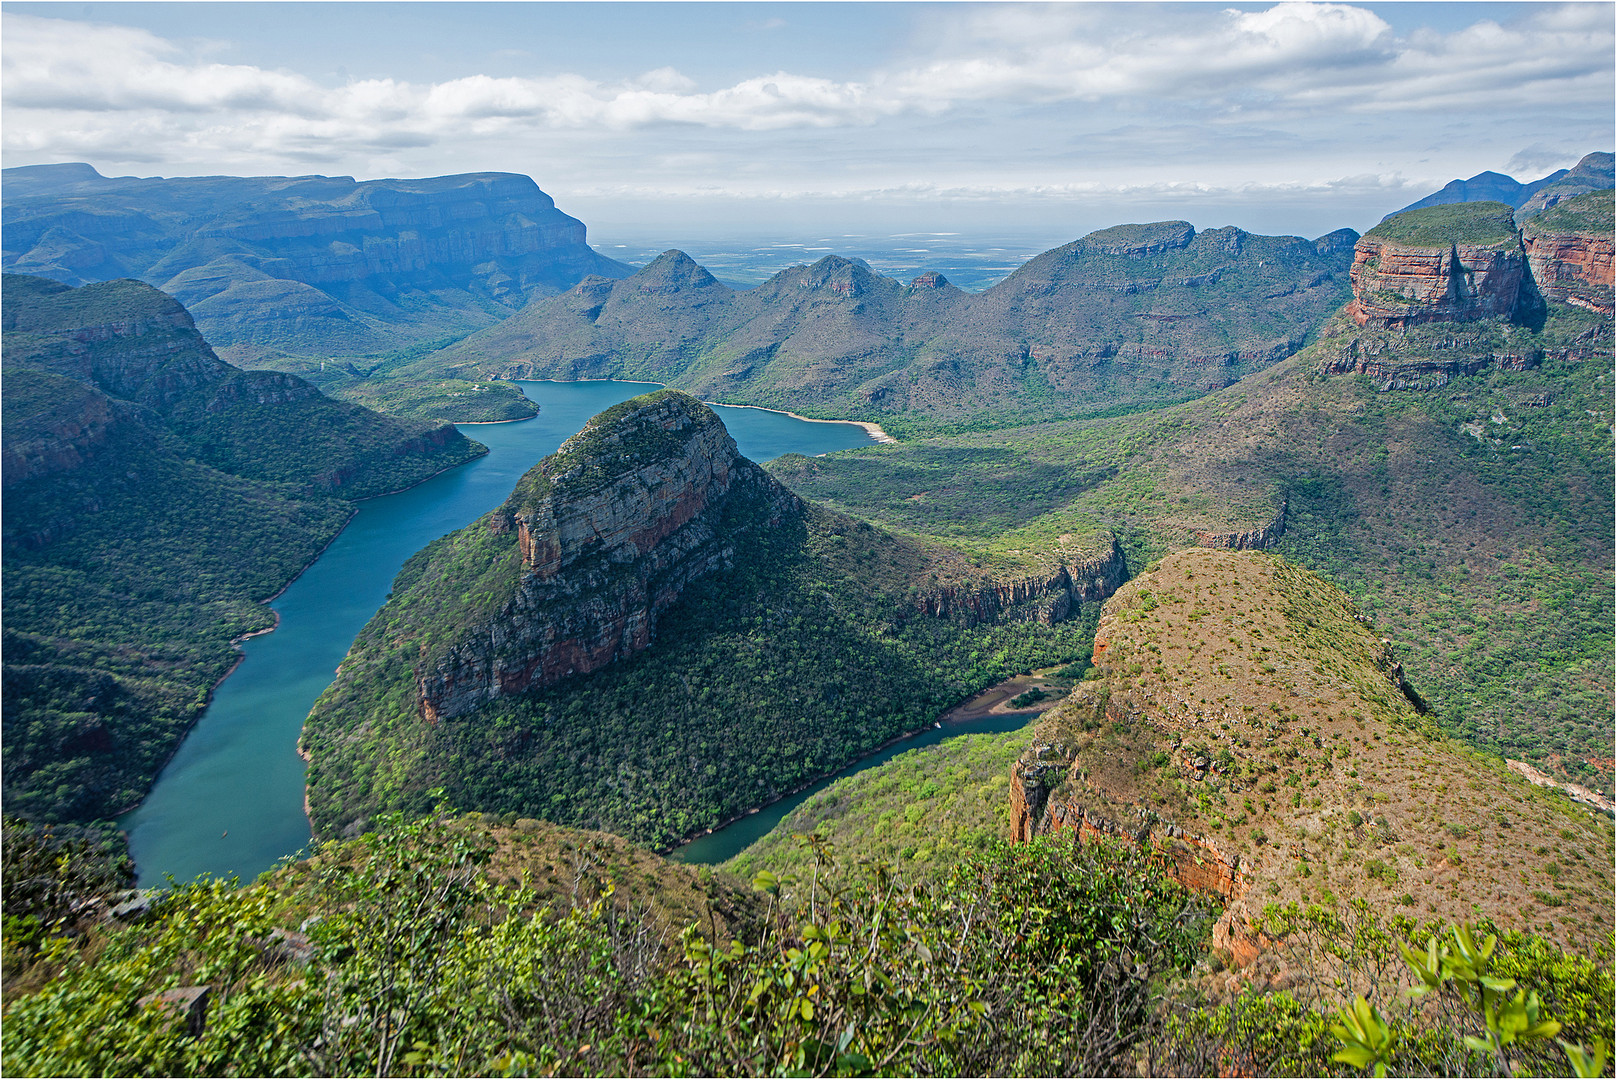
point(1393, 365)
point(1250, 540)
point(1402, 285)
point(645, 500)
point(1043, 598)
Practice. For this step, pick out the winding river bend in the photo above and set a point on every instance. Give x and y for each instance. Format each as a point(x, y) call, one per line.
point(231, 800)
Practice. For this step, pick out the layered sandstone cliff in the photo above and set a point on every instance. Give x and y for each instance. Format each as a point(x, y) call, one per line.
point(1570, 247)
point(648, 498)
point(1440, 264)
point(1258, 539)
point(1045, 598)
point(305, 265)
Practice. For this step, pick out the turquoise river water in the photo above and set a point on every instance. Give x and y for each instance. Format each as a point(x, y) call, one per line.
point(230, 802)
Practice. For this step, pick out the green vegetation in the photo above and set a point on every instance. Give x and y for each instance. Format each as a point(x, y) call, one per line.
point(1131, 318)
point(447, 972)
point(155, 498)
point(923, 813)
point(1245, 704)
point(1477, 224)
point(421, 955)
point(123, 594)
point(806, 655)
point(1590, 213)
point(439, 400)
point(1471, 521)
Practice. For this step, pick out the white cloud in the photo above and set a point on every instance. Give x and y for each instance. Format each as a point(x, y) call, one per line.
point(1123, 76)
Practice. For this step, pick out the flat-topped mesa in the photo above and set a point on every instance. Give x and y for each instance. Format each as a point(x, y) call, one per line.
point(1569, 247)
point(1451, 263)
point(651, 496)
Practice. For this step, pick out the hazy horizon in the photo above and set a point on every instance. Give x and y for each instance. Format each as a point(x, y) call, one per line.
point(1014, 123)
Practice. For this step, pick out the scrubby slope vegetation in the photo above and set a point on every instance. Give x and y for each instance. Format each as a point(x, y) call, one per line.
point(652, 637)
point(922, 813)
point(1038, 960)
point(1245, 707)
point(1132, 315)
point(1455, 479)
point(154, 498)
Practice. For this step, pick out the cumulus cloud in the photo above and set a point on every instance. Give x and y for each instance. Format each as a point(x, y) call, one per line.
point(103, 92)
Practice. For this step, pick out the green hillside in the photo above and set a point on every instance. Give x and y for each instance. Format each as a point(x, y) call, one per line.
point(802, 657)
point(1472, 520)
point(155, 498)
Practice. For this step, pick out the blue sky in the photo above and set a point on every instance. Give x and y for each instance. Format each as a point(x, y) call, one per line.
point(798, 119)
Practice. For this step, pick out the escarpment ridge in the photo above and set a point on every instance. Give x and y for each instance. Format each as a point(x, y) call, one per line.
point(276, 266)
point(1247, 721)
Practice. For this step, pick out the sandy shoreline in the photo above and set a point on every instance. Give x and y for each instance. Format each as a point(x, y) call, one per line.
point(873, 430)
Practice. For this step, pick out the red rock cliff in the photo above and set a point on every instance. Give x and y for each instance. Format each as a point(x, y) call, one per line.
point(1400, 285)
point(1573, 268)
point(610, 529)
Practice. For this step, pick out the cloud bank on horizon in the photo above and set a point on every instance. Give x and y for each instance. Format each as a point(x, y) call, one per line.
point(1016, 105)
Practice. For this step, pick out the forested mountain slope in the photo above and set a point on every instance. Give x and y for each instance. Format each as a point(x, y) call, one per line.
point(652, 636)
point(154, 497)
point(1131, 315)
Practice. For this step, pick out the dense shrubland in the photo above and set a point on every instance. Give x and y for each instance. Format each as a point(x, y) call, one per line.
point(1472, 521)
point(1048, 958)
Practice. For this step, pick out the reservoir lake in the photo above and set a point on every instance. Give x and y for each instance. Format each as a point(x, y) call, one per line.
point(230, 802)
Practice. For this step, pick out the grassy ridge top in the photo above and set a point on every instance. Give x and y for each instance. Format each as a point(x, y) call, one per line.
point(39, 305)
point(1253, 706)
point(642, 430)
point(1589, 214)
point(1476, 224)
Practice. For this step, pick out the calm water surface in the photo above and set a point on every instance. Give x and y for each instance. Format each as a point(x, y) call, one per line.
point(231, 800)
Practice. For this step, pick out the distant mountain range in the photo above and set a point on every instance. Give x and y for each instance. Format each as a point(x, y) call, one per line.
point(1592, 173)
point(304, 265)
point(1129, 315)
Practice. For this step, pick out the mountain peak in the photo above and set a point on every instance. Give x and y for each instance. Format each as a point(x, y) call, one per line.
point(673, 269)
point(592, 545)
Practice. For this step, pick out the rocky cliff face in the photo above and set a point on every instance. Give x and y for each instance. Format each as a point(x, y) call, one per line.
point(609, 530)
point(1402, 364)
point(1465, 262)
point(1574, 269)
point(1401, 285)
point(1569, 248)
point(1248, 540)
point(1043, 598)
